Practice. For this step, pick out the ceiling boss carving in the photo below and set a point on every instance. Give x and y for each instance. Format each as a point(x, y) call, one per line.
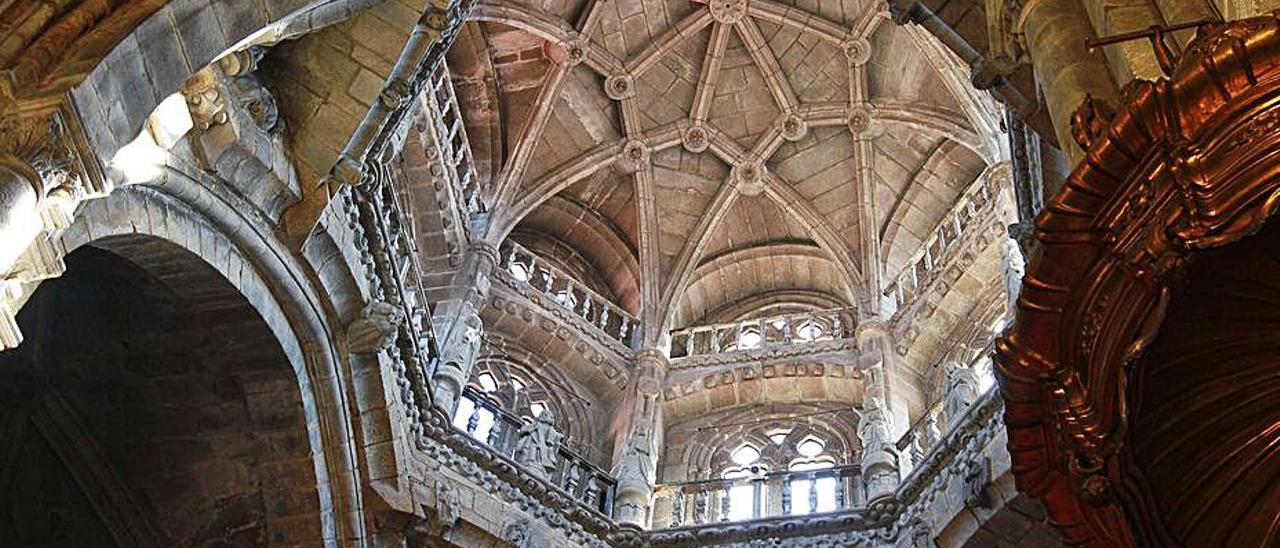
point(728, 11)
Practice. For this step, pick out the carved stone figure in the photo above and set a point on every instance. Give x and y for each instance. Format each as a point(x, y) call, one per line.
point(516, 533)
point(879, 464)
point(375, 330)
point(537, 445)
point(977, 477)
point(448, 508)
point(921, 535)
point(1014, 268)
point(960, 392)
point(458, 354)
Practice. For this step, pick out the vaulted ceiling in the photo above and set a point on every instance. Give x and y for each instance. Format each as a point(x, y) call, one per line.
point(712, 162)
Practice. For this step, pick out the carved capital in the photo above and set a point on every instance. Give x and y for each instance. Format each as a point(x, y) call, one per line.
point(51, 153)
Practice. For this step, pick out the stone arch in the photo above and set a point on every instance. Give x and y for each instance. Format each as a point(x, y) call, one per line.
point(169, 399)
point(210, 225)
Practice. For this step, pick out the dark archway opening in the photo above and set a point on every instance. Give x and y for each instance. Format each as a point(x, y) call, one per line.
point(151, 406)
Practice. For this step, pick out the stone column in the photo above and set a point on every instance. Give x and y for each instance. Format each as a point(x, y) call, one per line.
point(639, 429)
point(1055, 32)
point(20, 193)
point(461, 340)
point(458, 351)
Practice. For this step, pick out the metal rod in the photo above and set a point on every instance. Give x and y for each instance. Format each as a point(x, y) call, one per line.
point(1154, 30)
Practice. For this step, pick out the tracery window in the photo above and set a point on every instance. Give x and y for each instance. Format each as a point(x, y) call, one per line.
point(505, 390)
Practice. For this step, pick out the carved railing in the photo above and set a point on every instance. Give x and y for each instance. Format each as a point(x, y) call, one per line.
point(765, 495)
point(450, 133)
point(524, 267)
point(486, 420)
point(764, 333)
point(977, 204)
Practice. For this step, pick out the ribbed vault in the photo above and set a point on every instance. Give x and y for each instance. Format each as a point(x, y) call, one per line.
point(708, 159)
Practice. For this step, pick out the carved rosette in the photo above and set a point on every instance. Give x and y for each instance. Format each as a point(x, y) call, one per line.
point(794, 127)
point(857, 50)
point(575, 52)
point(619, 87)
point(749, 177)
point(633, 157)
point(860, 117)
point(695, 139)
point(728, 11)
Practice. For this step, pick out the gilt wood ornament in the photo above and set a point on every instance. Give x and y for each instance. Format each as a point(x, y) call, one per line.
point(1183, 168)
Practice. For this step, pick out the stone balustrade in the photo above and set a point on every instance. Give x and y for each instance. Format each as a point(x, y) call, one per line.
point(525, 268)
point(485, 420)
point(757, 496)
point(765, 333)
point(450, 133)
point(977, 205)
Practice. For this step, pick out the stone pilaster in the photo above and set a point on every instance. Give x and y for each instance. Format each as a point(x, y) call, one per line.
point(639, 440)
